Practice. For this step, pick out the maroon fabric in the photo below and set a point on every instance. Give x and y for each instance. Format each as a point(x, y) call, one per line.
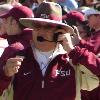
point(28, 81)
point(75, 15)
point(86, 58)
point(2, 0)
point(29, 87)
point(54, 87)
point(91, 95)
point(18, 12)
point(4, 36)
point(16, 44)
point(93, 44)
point(25, 36)
point(46, 11)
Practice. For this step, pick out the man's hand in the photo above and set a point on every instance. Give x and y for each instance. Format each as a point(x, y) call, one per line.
point(12, 65)
point(69, 40)
point(75, 36)
point(66, 42)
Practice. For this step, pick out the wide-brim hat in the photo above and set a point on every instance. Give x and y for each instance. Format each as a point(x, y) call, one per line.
point(48, 13)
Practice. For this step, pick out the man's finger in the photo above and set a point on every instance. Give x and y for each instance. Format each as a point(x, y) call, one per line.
point(15, 59)
point(75, 30)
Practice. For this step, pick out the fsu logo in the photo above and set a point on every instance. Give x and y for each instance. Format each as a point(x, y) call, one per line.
point(63, 72)
point(60, 72)
point(45, 16)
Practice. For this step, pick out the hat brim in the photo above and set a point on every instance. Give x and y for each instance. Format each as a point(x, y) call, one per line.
point(31, 22)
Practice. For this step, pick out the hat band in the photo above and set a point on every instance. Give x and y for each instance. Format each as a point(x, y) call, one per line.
point(51, 17)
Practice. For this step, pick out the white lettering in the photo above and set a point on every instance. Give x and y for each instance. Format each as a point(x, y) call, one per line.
point(63, 73)
point(67, 72)
point(45, 16)
point(57, 72)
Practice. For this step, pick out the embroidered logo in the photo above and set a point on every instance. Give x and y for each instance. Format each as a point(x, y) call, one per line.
point(45, 16)
point(63, 72)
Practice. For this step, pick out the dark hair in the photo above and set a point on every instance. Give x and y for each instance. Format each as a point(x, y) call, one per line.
point(70, 22)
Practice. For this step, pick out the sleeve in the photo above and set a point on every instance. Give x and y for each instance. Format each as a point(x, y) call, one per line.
point(86, 58)
point(9, 52)
point(4, 80)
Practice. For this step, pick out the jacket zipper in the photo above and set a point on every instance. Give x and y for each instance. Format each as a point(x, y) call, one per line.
point(42, 83)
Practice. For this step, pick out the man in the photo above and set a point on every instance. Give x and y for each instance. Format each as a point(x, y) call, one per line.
point(93, 44)
point(4, 8)
point(16, 32)
point(17, 36)
point(45, 72)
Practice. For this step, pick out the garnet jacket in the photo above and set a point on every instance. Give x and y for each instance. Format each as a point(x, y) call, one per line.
point(93, 44)
point(58, 82)
point(16, 44)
